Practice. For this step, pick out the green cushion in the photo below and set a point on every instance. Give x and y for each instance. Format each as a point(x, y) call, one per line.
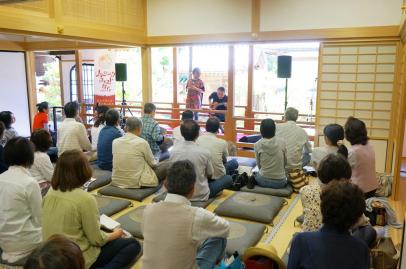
point(133, 194)
point(251, 206)
point(202, 204)
point(131, 221)
point(110, 206)
point(285, 192)
point(243, 235)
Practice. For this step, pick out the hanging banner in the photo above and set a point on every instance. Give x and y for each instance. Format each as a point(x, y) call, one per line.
point(104, 78)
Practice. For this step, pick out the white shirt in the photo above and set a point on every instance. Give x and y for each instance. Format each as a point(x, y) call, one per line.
point(200, 157)
point(20, 214)
point(205, 223)
point(72, 135)
point(94, 133)
point(319, 153)
point(177, 136)
point(132, 163)
point(296, 142)
point(42, 169)
point(218, 150)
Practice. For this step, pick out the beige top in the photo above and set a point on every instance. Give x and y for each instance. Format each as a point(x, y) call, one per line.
point(75, 215)
point(133, 162)
point(218, 149)
point(72, 135)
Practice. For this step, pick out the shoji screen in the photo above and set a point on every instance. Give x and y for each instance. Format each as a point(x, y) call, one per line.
point(358, 80)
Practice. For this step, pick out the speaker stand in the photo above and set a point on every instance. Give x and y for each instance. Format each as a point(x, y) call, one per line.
point(286, 94)
point(124, 103)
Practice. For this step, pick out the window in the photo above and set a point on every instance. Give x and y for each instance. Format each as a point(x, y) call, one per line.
point(47, 79)
point(269, 90)
point(162, 70)
point(184, 69)
point(240, 79)
point(88, 83)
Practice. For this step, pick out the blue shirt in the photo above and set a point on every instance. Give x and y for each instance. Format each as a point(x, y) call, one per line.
point(105, 146)
point(327, 248)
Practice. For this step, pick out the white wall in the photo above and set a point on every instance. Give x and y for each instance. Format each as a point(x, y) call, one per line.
point(188, 17)
point(277, 15)
point(13, 90)
point(191, 17)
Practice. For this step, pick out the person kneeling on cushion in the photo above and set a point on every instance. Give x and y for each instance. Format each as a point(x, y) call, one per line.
point(194, 237)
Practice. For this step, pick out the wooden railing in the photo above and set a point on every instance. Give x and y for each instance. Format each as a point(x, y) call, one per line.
point(170, 116)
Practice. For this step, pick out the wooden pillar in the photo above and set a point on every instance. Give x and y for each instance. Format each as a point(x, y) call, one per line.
point(175, 104)
point(31, 85)
point(249, 124)
point(146, 75)
point(79, 83)
point(230, 126)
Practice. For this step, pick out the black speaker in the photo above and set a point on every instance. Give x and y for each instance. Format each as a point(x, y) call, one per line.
point(121, 72)
point(284, 66)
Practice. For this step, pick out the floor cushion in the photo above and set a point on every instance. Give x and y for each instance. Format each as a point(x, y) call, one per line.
point(103, 178)
point(133, 194)
point(285, 192)
point(243, 235)
point(251, 206)
point(110, 206)
point(131, 222)
point(202, 204)
point(244, 161)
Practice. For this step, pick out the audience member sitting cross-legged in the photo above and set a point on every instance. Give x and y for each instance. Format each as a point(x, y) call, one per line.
point(333, 137)
point(333, 247)
point(193, 237)
point(189, 150)
point(42, 169)
point(134, 165)
point(20, 206)
point(151, 131)
point(361, 156)
point(58, 252)
point(177, 136)
point(270, 153)
point(73, 212)
point(8, 119)
point(107, 135)
point(333, 167)
point(218, 150)
point(71, 133)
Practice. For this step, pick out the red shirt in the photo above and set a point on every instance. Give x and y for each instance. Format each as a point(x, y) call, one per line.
point(40, 119)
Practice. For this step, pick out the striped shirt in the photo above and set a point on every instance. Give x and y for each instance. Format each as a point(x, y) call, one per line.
point(296, 142)
point(151, 132)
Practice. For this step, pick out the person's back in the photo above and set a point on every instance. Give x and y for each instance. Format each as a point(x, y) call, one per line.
point(200, 157)
point(105, 141)
point(72, 135)
point(218, 149)
point(175, 250)
point(327, 248)
point(20, 206)
point(151, 131)
point(194, 237)
point(271, 157)
point(132, 163)
point(41, 118)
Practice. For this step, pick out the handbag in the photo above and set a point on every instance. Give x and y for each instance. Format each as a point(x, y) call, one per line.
point(385, 255)
point(384, 185)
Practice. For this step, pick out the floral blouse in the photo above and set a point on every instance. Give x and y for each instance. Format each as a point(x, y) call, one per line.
point(310, 196)
point(194, 98)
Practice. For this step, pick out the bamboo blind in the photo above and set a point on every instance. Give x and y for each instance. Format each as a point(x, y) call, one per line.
point(357, 80)
point(125, 13)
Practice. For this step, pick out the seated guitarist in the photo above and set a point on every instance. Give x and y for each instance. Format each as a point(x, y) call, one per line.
point(218, 101)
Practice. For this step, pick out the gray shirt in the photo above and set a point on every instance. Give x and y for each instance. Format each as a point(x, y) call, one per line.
point(271, 157)
point(201, 159)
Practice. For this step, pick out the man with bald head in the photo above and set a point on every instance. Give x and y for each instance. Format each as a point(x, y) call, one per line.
point(133, 161)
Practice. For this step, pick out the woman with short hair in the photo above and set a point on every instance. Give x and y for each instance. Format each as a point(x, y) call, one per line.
point(42, 169)
point(20, 204)
point(58, 252)
point(361, 157)
point(7, 117)
point(71, 211)
point(41, 118)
